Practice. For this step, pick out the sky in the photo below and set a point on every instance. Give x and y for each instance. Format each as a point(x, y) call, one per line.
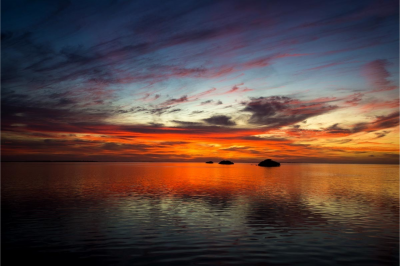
point(294, 81)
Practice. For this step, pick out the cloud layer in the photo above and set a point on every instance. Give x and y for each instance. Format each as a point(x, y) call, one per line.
point(194, 80)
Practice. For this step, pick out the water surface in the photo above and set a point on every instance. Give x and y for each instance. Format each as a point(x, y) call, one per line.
point(199, 214)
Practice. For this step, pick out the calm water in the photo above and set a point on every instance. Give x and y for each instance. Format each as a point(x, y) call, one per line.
point(199, 214)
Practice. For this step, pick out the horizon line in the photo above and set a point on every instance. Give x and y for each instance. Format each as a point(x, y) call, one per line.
point(91, 161)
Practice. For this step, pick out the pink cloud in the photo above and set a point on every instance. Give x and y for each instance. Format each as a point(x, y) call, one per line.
point(377, 75)
point(326, 66)
point(354, 99)
point(201, 94)
point(234, 89)
point(263, 62)
point(237, 89)
point(380, 105)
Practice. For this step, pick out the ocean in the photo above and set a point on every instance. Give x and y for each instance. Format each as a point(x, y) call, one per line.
point(88, 213)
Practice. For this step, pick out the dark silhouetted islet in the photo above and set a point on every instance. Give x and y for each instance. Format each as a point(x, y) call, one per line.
point(225, 162)
point(210, 162)
point(269, 163)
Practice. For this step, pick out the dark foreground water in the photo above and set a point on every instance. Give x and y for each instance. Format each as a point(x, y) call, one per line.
point(199, 214)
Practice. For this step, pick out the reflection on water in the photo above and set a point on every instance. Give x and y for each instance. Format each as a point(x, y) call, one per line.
point(200, 214)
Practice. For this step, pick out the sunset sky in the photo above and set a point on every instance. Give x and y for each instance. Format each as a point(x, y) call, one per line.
point(294, 81)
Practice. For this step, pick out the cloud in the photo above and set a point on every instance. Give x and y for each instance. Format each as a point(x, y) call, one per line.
point(220, 120)
point(211, 102)
point(191, 98)
point(172, 143)
point(378, 76)
point(201, 94)
point(111, 146)
point(382, 122)
point(175, 110)
point(196, 112)
point(335, 129)
point(243, 149)
point(379, 104)
point(264, 138)
point(354, 99)
point(381, 134)
point(187, 123)
point(57, 79)
point(206, 102)
point(175, 101)
point(379, 123)
point(66, 101)
point(279, 111)
point(236, 88)
point(344, 141)
point(392, 155)
point(47, 116)
point(150, 110)
point(267, 61)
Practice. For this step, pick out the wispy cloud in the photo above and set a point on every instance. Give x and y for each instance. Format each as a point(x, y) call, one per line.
point(378, 76)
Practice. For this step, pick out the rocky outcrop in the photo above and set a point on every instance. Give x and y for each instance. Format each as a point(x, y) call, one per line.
point(210, 162)
point(269, 163)
point(226, 162)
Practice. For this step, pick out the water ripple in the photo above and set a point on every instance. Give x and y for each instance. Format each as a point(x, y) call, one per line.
point(196, 214)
